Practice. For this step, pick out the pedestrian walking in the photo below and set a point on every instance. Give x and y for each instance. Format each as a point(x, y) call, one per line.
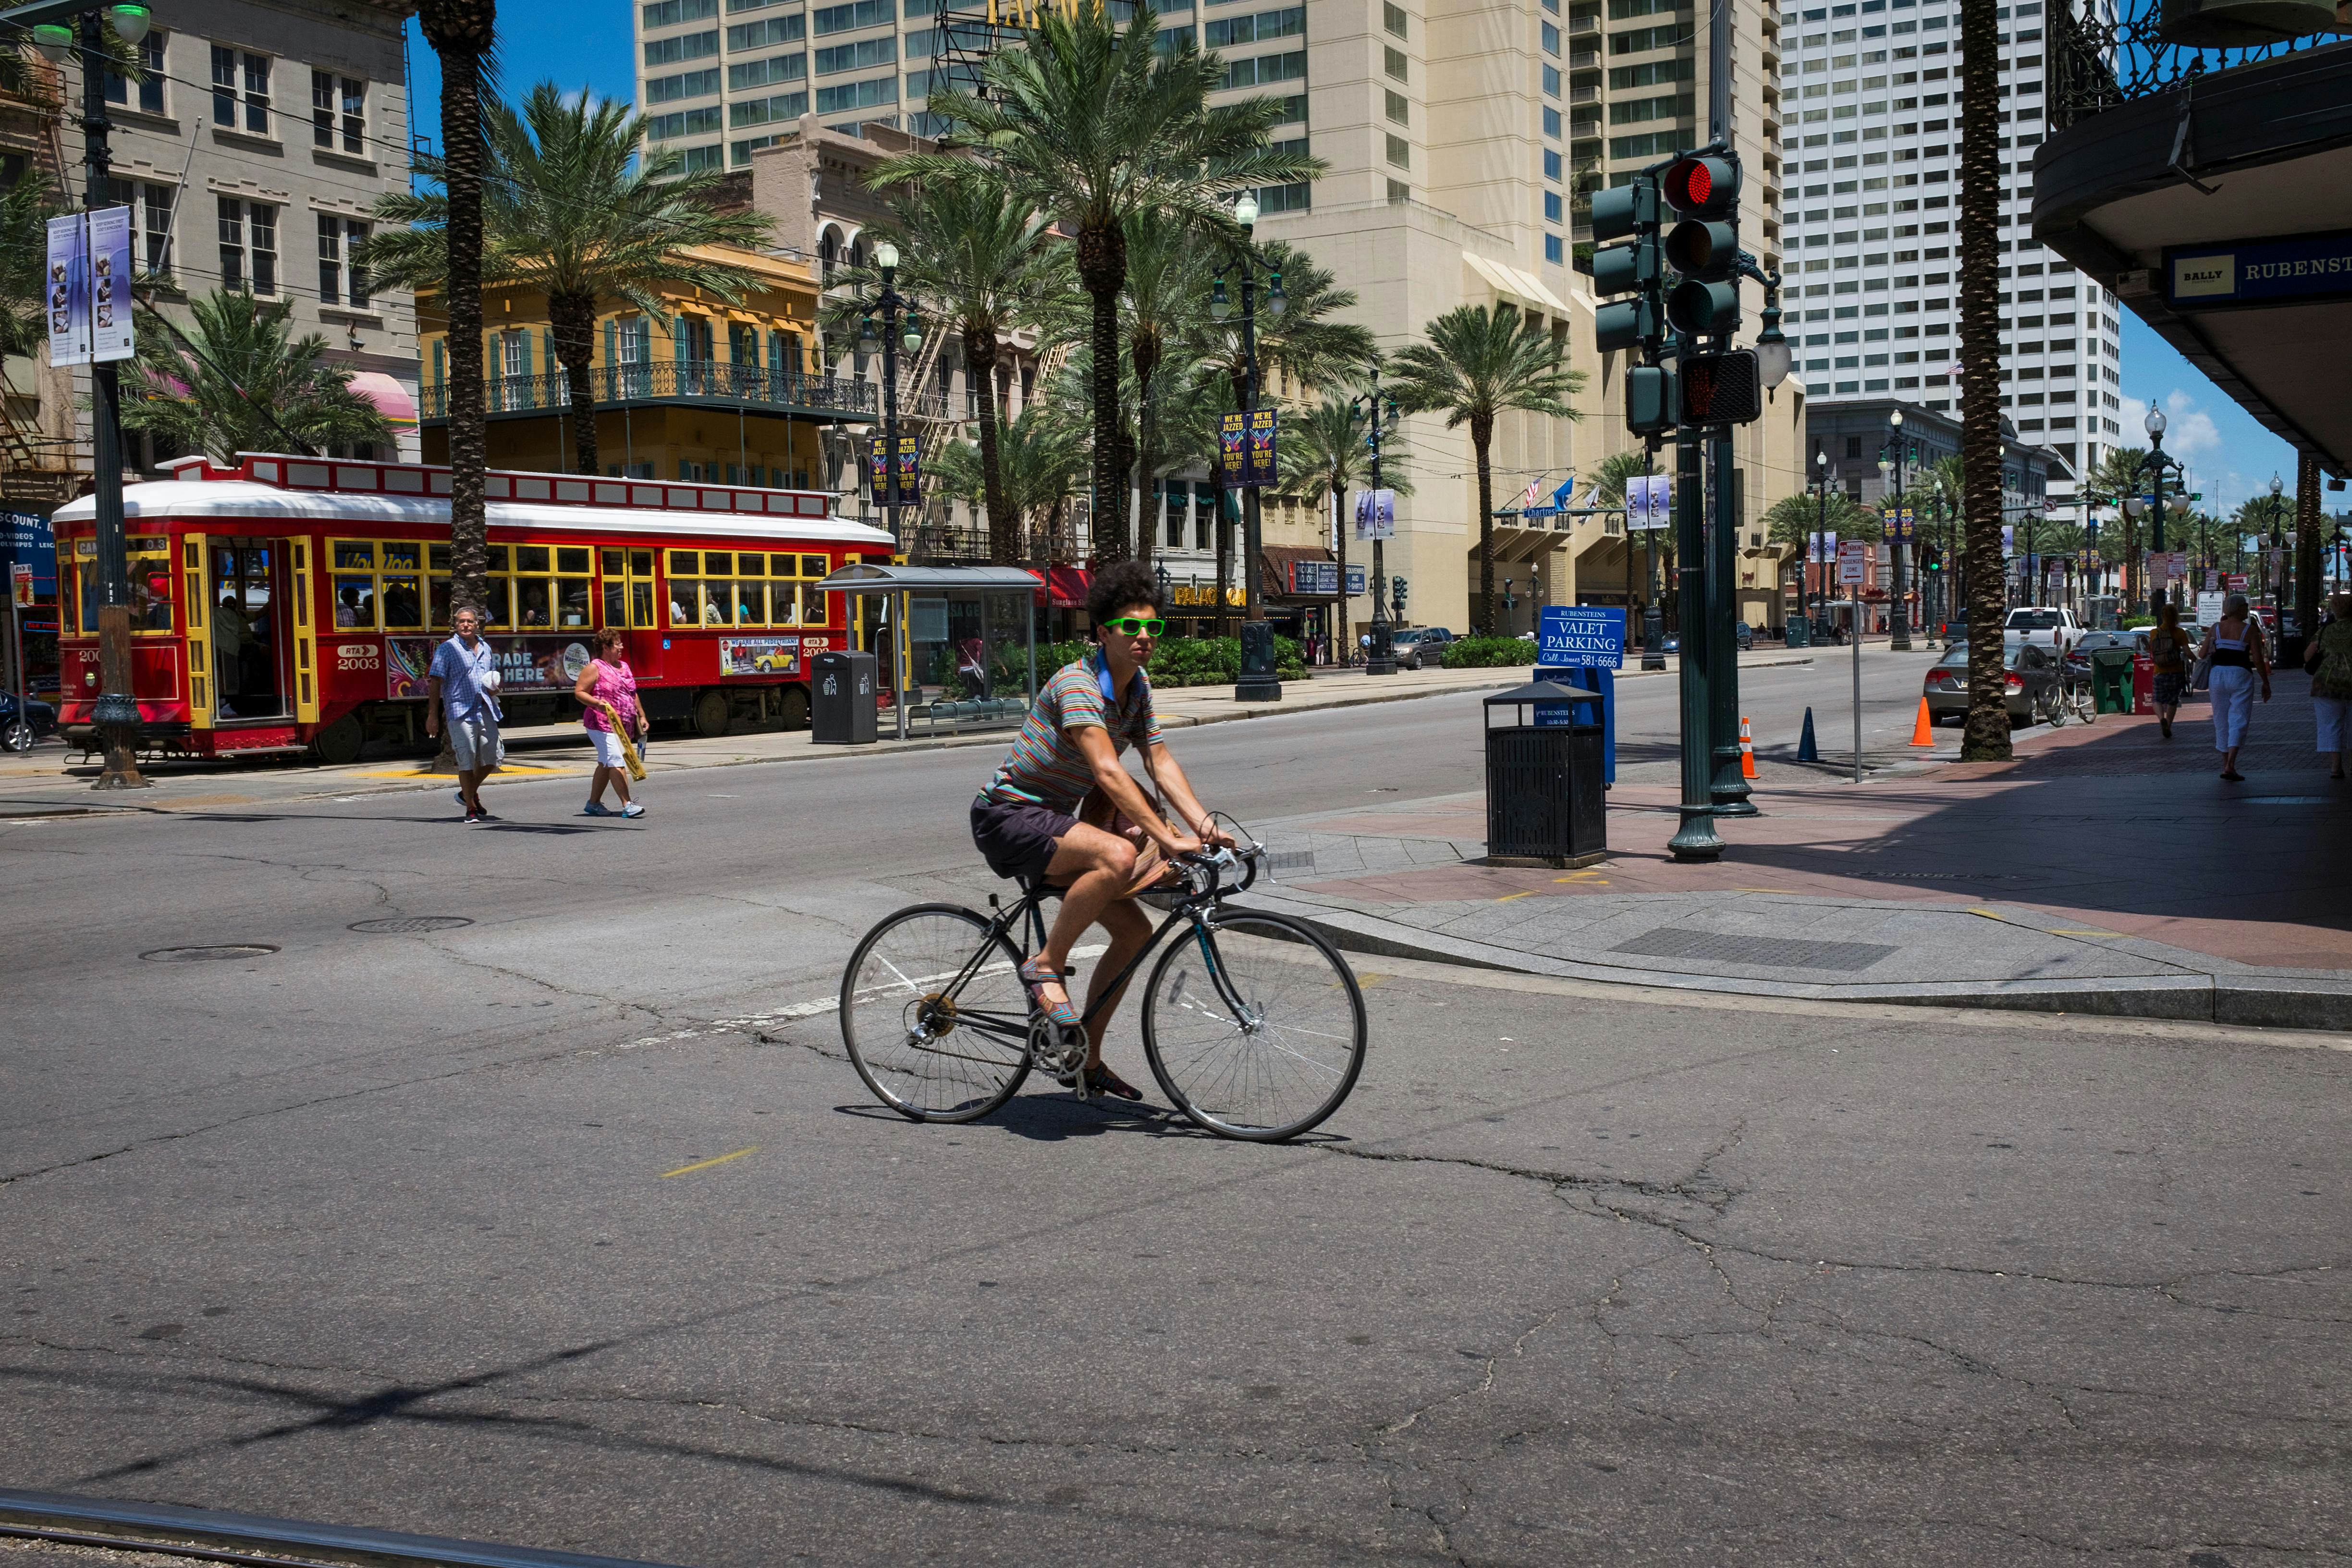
point(463, 682)
point(2167, 649)
point(607, 690)
point(2330, 660)
point(2236, 656)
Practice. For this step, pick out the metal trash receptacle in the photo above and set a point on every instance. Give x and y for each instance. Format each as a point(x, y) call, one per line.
point(1545, 805)
point(2111, 680)
point(1797, 632)
point(843, 688)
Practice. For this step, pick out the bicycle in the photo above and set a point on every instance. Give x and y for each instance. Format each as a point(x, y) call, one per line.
point(1252, 1023)
point(2074, 698)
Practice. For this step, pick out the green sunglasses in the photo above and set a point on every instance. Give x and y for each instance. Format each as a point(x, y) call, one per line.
point(1128, 625)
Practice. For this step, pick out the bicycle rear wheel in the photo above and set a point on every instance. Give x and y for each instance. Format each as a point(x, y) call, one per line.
point(1255, 1030)
point(934, 1017)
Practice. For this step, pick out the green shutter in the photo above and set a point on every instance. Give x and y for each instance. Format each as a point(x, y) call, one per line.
point(440, 356)
point(677, 338)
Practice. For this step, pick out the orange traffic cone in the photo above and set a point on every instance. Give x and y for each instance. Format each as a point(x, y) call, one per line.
point(1923, 733)
point(1747, 751)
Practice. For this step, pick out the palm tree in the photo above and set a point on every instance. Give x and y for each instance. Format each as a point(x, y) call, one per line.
point(25, 211)
point(1323, 455)
point(1094, 125)
point(1794, 519)
point(1036, 461)
point(2124, 472)
point(572, 210)
point(242, 384)
point(1479, 362)
point(979, 260)
point(1985, 737)
point(464, 34)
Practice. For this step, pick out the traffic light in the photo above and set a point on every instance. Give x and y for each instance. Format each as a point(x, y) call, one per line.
point(1703, 191)
point(1629, 213)
point(1722, 389)
point(1396, 596)
point(1650, 399)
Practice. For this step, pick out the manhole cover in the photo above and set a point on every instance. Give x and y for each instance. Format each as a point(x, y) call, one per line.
point(2289, 800)
point(402, 925)
point(207, 955)
point(1760, 952)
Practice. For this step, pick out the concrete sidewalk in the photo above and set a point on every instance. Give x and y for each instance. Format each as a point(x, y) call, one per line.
point(49, 778)
point(2105, 870)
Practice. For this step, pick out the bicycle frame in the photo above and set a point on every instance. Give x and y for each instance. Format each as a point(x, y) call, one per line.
point(1028, 913)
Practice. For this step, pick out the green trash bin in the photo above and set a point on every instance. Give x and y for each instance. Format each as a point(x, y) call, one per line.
point(2111, 680)
point(1800, 632)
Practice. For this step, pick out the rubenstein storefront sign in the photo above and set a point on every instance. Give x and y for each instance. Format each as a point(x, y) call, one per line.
point(2260, 271)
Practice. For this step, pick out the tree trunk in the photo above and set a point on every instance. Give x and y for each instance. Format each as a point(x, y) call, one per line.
point(1986, 737)
point(1102, 272)
point(571, 323)
point(461, 133)
point(1144, 354)
point(979, 379)
point(1482, 438)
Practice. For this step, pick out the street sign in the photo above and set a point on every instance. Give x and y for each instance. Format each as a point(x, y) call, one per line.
point(2209, 608)
point(2236, 582)
point(1853, 556)
point(1581, 634)
point(20, 583)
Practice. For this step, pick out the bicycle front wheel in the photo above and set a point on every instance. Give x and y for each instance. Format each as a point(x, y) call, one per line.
point(935, 1019)
point(1253, 1026)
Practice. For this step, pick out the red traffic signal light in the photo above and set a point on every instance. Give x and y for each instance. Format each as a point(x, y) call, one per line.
point(1721, 389)
point(1702, 187)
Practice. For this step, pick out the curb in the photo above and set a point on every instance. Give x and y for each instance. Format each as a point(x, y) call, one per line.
point(2278, 1001)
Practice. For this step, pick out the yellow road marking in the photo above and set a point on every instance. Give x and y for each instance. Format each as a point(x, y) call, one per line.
point(1991, 915)
point(706, 1164)
point(1506, 898)
point(1369, 979)
point(2069, 930)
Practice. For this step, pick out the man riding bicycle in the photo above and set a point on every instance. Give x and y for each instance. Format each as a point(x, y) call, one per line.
point(1062, 810)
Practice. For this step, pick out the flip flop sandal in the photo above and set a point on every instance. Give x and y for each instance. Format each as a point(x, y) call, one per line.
point(1032, 975)
point(1100, 1079)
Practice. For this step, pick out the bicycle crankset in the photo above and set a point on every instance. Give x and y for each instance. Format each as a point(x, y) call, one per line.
point(1059, 1052)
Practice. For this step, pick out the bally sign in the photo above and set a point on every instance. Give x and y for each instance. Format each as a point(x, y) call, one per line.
point(2301, 267)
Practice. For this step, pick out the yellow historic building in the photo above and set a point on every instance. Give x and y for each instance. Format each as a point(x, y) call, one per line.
point(705, 390)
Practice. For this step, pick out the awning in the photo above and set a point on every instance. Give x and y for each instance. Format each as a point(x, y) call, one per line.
point(391, 399)
point(1066, 586)
point(1283, 578)
point(1511, 283)
point(873, 577)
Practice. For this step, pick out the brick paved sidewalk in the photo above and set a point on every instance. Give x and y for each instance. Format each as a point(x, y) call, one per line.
point(2105, 868)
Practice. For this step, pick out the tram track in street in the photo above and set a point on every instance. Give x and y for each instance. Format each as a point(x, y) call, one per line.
point(206, 1535)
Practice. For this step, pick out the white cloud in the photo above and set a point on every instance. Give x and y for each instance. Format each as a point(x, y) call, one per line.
point(2189, 432)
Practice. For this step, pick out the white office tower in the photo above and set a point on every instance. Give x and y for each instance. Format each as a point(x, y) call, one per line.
point(1870, 91)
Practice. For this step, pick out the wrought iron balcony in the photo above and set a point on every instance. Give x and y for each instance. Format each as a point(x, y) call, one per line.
point(707, 383)
point(2152, 48)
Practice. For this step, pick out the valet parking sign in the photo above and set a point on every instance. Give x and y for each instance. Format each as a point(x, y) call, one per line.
point(1581, 634)
point(89, 287)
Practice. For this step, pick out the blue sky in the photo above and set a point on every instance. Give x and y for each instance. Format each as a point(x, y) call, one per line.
point(589, 43)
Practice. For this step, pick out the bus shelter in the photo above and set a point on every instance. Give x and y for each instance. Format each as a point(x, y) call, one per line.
point(960, 641)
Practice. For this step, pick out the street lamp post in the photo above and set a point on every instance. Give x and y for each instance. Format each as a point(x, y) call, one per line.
point(889, 302)
point(1653, 614)
point(1258, 682)
point(1898, 615)
point(57, 29)
point(2154, 427)
point(1381, 413)
point(1814, 551)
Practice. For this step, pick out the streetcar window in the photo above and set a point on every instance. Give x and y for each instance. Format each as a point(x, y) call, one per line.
point(403, 610)
point(611, 561)
point(641, 605)
point(783, 565)
point(641, 563)
point(89, 595)
point(439, 589)
point(682, 603)
point(532, 558)
point(532, 602)
point(814, 566)
point(751, 604)
point(616, 599)
point(572, 561)
point(351, 554)
point(498, 558)
point(437, 556)
point(571, 601)
point(714, 603)
point(750, 565)
point(400, 556)
point(498, 611)
point(685, 561)
point(785, 602)
point(354, 600)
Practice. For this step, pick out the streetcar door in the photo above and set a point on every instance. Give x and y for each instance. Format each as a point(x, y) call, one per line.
point(246, 598)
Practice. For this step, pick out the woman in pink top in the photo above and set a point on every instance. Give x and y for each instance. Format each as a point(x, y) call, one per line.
point(609, 682)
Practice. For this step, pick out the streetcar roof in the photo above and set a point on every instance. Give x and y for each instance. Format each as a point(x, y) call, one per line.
point(163, 500)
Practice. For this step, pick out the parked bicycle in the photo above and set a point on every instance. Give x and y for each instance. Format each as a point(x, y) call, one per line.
point(2075, 698)
point(1252, 1023)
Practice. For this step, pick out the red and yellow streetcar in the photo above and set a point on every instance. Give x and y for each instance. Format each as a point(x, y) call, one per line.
point(288, 604)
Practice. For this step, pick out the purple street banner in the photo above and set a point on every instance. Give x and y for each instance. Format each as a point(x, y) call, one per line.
point(1259, 467)
point(110, 288)
point(67, 295)
point(908, 472)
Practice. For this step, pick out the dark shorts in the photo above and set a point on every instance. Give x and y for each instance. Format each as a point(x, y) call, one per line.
point(1017, 838)
point(2167, 687)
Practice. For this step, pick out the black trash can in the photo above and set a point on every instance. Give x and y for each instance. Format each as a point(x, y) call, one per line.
point(843, 688)
point(1545, 805)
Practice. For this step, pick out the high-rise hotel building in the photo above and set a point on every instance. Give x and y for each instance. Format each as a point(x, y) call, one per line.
point(1873, 132)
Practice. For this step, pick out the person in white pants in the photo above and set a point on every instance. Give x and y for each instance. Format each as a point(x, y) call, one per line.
point(2330, 660)
point(2234, 652)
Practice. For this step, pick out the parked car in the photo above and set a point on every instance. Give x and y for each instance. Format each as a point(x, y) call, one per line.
point(40, 719)
point(2053, 628)
point(1420, 646)
point(2136, 640)
point(2030, 673)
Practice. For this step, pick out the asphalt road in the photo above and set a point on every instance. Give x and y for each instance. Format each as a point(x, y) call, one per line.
point(400, 1228)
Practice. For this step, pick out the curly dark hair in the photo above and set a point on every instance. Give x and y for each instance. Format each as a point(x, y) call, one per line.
point(1116, 588)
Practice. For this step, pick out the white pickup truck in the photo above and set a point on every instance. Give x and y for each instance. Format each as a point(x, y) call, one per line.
point(2055, 629)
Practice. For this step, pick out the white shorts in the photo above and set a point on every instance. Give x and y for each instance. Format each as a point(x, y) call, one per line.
point(476, 743)
point(608, 748)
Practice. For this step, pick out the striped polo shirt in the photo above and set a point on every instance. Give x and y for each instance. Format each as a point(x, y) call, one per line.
point(1045, 766)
